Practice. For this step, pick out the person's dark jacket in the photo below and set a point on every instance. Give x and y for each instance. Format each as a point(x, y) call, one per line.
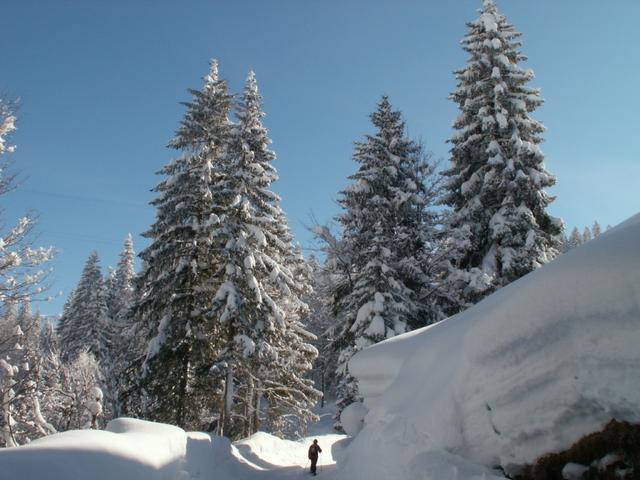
point(314, 450)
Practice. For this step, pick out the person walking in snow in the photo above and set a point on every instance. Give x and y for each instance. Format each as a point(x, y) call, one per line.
point(314, 450)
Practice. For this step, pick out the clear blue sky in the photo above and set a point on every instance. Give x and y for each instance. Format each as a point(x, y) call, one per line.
point(100, 85)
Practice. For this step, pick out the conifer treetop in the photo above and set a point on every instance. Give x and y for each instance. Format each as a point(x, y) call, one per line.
point(496, 179)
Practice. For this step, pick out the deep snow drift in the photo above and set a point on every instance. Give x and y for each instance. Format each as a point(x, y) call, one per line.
point(527, 371)
point(128, 449)
point(137, 450)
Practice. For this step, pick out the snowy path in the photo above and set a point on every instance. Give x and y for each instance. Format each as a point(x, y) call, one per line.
point(262, 456)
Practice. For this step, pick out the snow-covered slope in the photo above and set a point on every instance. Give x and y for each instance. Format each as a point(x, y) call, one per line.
point(137, 450)
point(527, 371)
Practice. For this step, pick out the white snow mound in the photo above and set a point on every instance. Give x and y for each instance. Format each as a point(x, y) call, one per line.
point(352, 418)
point(128, 450)
point(527, 371)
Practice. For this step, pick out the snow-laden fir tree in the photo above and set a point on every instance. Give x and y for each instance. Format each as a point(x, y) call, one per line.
point(382, 266)
point(85, 330)
point(587, 236)
point(596, 230)
point(175, 285)
point(120, 296)
point(575, 239)
point(49, 346)
point(122, 288)
point(111, 298)
point(257, 305)
point(289, 392)
point(85, 325)
point(499, 227)
point(63, 326)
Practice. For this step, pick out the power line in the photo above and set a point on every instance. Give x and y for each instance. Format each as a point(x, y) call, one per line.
point(76, 197)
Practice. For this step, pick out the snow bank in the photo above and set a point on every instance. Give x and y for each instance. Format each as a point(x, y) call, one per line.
point(527, 371)
point(138, 450)
point(128, 450)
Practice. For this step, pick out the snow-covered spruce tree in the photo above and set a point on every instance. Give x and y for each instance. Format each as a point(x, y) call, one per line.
point(110, 294)
point(387, 230)
point(499, 228)
point(596, 230)
point(257, 305)
point(120, 288)
point(63, 326)
point(49, 346)
point(175, 287)
point(289, 392)
point(85, 325)
point(575, 239)
point(120, 296)
point(586, 235)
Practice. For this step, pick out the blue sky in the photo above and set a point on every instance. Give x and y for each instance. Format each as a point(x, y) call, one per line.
point(100, 85)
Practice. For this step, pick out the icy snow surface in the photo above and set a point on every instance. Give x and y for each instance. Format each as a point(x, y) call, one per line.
point(527, 371)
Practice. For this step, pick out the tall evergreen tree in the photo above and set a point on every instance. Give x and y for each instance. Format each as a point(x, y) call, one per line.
point(257, 305)
point(85, 325)
point(575, 239)
point(596, 229)
point(586, 235)
point(289, 391)
point(387, 233)
point(123, 279)
point(122, 355)
point(499, 227)
point(110, 294)
point(175, 290)
point(63, 326)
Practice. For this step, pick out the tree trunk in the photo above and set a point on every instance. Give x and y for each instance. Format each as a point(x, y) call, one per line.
point(256, 411)
point(225, 421)
point(182, 390)
point(322, 386)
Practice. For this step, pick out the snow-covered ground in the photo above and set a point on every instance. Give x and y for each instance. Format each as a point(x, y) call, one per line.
point(137, 450)
point(528, 371)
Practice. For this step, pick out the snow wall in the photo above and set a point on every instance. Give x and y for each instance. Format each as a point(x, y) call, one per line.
point(527, 371)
